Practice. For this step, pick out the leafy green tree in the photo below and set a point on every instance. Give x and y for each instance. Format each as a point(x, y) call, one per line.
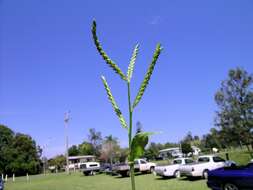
point(6, 139)
point(139, 141)
point(73, 150)
point(26, 155)
point(95, 139)
point(123, 154)
point(186, 147)
point(85, 148)
point(188, 138)
point(235, 103)
point(110, 149)
point(152, 150)
point(19, 153)
point(59, 161)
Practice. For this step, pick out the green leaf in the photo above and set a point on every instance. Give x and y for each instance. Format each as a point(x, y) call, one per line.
point(148, 75)
point(138, 144)
point(132, 62)
point(112, 100)
point(113, 65)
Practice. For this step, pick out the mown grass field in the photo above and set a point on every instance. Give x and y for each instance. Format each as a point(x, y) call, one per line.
point(77, 181)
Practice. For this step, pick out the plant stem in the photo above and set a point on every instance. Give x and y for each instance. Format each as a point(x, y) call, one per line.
point(130, 135)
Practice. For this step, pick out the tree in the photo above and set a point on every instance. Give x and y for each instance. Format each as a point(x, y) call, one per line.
point(138, 127)
point(95, 139)
point(188, 138)
point(19, 153)
point(73, 151)
point(85, 148)
point(123, 154)
point(235, 103)
point(110, 149)
point(58, 161)
point(152, 150)
point(6, 139)
point(186, 147)
point(26, 155)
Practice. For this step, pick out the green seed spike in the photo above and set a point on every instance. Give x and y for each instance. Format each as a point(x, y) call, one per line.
point(132, 63)
point(114, 105)
point(113, 65)
point(148, 75)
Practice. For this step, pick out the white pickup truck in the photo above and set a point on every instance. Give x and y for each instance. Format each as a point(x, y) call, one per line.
point(90, 168)
point(172, 169)
point(140, 165)
point(203, 165)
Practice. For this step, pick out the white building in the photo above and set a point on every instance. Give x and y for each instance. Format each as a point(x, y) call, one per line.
point(75, 161)
point(176, 152)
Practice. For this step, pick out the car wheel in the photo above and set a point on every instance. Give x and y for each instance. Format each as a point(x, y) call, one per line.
point(177, 174)
point(205, 174)
point(230, 186)
point(85, 173)
point(152, 169)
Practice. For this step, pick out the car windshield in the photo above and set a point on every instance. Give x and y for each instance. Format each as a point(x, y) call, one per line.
point(188, 161)
point(203, 159)
point(218, 159)
point(177, 161)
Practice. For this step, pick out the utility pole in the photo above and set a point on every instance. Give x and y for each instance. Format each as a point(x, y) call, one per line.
point(66, 120)
point(44, 158)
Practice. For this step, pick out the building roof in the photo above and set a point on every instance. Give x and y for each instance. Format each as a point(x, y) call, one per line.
point(80, 157)
point(169, 149)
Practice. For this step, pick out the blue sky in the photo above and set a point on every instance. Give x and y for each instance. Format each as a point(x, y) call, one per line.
point(48, 64)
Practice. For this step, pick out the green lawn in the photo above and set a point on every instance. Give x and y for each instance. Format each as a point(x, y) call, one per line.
point(77, 181)
point(102, 182)
point(240, 157)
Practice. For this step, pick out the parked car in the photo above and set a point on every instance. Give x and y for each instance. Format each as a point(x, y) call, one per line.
point(1, 184)
point(203, 165)
point(90, 168)
point(231, 178)
point(140, 165)
point(172, 169)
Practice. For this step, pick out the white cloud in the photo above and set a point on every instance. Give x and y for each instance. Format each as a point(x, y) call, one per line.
point(155, 20)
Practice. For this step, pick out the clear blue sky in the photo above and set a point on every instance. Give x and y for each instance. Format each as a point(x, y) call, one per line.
point(48, 64)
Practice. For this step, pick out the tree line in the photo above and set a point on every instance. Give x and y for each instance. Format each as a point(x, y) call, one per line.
point(19, 153)
point(233, 127)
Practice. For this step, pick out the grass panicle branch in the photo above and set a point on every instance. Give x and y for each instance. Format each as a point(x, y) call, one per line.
point(113, 65)
point(132, 63)
point(114, 104)
point(139, 141)
point(148, 75)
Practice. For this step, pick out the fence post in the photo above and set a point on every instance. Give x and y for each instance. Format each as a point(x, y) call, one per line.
point(27, 177)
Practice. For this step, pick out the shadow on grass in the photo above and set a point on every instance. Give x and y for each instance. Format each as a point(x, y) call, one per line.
point(120, 176)
point(164, 178)
point(190, 179)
